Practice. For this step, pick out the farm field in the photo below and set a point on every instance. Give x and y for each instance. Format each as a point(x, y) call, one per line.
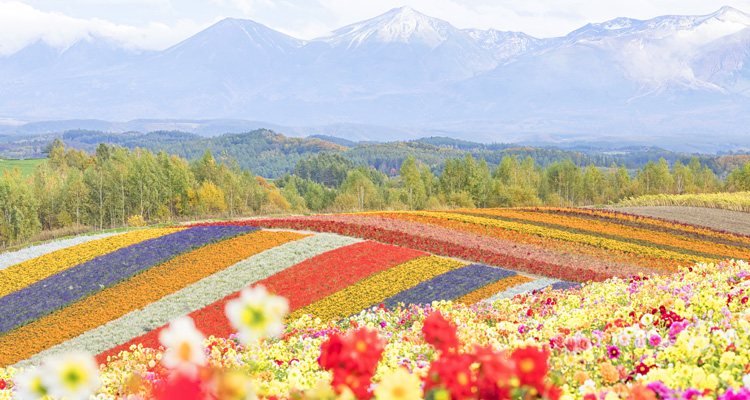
point(27, 166)
point(725, 220)
point(559, 302)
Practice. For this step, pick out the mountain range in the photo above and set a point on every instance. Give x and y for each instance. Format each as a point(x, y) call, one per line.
point(680, 80)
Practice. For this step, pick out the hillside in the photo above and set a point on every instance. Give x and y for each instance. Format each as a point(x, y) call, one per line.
point(385, 271)
point(271, 155)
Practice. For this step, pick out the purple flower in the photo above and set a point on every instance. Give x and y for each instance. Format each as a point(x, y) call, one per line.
point(690, 394)
point(661, 389)
point(730, 394)
point(383, 324)
point(654, 340)
point(450, 285)
point(676, 328)
point(73, 284)
point(613, 352)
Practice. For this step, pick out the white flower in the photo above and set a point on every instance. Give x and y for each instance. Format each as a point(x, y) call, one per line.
point(257, 314)
point(184, 344)
point(73, 376)
point(647, 319)
point(588, 387)
point(746, 381)
point(29, 385)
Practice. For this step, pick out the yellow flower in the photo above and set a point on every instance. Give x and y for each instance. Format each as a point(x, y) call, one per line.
point(235, 386)
point(399, 385)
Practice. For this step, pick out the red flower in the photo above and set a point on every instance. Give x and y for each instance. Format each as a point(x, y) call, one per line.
point(358, 384)
point(440, 333)
point(3, 384)
point(180, 387)
point(330, 352)
point(362, 350)
point(531, 366)
point(278, 362)
point(494, 374)
point(352, 359)
point(642, 369)
point(452, 373)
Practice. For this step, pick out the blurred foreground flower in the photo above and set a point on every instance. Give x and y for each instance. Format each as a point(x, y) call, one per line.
point(352, 360)
point(29, 386)
point(73, 376)
point(399, 385)
point(257, 314)
point(184, 345)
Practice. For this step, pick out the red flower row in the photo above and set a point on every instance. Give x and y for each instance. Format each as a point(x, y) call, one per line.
point(431, 245)
point(303, 284)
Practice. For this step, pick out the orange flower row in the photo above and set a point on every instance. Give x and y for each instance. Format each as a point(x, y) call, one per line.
point(646, 261)
point(652, 221)
point(493, 289)
point(624, 231)
point(135, 293)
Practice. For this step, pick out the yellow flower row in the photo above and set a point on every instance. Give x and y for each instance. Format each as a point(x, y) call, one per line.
point(623, 231)
point(135, 293)
point(571, 237)
point(20, 275)
point(655, 222)
point(557, 245)
point(376, 288)
point(493, 289)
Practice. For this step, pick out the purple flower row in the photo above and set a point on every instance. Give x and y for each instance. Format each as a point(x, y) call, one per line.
point(66, 287)
point(450, 285)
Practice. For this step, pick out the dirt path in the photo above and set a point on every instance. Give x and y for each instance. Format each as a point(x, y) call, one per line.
point(725, 220)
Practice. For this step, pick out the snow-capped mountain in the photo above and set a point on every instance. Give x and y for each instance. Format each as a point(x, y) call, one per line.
point(670, 74)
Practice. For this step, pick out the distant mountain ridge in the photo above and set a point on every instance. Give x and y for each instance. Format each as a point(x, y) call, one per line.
point(673, 78)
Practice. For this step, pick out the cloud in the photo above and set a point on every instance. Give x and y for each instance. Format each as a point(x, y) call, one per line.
point(157, 24)
point(22, 24)
point(247, 7)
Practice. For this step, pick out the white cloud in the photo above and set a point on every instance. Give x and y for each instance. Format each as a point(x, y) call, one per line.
point(22, 24)
point(246, 6)
point(157, 24)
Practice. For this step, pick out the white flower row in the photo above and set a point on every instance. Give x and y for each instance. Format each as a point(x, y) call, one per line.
point(195, 296)
point(28, 253)
point(536, 284)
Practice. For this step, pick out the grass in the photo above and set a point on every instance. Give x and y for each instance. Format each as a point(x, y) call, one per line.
point(27, 165)
point(737, 201)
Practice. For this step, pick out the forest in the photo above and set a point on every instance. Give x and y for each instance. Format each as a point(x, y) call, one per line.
point(115, 186)
point(272, 155)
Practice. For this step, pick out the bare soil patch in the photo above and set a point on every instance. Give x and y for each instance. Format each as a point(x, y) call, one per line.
point(725, 220)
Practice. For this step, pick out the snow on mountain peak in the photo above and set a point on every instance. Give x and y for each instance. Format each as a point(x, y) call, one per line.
point(730, 14)
point(403, 25)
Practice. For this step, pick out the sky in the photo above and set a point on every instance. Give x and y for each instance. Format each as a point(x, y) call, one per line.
point(158, 24)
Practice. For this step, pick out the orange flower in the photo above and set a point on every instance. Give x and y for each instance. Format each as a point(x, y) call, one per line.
point(609, 373)
point(135, 293)
point(581, 377)
point(640, 392)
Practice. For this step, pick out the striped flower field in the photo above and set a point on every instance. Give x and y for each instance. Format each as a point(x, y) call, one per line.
point(114, 296)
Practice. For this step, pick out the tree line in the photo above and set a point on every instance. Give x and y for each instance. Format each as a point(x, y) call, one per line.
point(115, 186)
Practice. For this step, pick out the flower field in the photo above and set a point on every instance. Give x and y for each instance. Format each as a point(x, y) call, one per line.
point(442, 304)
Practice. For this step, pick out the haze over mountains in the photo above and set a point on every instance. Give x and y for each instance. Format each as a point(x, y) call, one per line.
point(671, 78)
